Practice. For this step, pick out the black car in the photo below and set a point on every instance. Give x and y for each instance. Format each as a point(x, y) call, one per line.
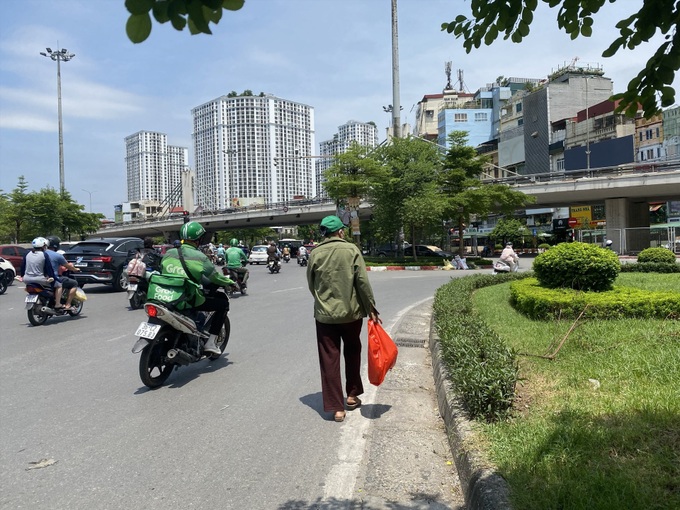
point(103, 260)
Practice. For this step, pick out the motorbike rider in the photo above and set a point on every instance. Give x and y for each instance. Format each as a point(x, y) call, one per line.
point(36, 266)
point(149, 255)
point(273, 253)
point(61, 283)
point(608, 245)
point(201, 269)
point(302, 253)
point(235, 257)
point(286, 251)
point(509, 257)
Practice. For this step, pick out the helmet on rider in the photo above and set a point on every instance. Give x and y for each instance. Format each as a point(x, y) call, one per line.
point(192, 231)
point(233, 242)
point(39, 243)
point(53, 242)
point(609, 242)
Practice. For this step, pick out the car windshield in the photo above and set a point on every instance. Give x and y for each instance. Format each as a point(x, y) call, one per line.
point(259, 248)
point(85, 247)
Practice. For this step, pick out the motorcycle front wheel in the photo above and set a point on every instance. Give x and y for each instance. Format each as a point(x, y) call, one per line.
point(35, 316)
point(76, 307)
point(154, 368)
point(136, 301)
point(223, 338)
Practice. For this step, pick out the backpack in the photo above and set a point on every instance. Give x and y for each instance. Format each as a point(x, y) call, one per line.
point(174, 290)
point(136, 267)
point(152, 260)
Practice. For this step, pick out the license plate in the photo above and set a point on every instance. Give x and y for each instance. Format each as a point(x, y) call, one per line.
point(132, 287)
point(32, 298)
point(146, 330)
point(82, 264)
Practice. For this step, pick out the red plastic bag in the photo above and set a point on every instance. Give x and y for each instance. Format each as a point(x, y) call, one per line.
point(382, 353)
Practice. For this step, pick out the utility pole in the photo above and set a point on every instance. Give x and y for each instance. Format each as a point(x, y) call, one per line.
point(396, 106)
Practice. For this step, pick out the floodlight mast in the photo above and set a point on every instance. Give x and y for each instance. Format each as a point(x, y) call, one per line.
point(61, 55)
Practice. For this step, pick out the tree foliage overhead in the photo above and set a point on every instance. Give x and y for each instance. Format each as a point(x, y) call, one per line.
point(196, 14)
point(492, 18)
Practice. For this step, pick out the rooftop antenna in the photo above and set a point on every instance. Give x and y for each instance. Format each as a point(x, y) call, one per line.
point(460, 80)
point(447, 69)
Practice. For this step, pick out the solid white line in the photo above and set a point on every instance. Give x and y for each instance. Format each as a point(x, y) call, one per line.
point(117, 338)
point(286, 290)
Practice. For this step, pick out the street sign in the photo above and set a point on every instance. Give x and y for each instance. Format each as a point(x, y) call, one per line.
point(560, 224)
point(572, 222)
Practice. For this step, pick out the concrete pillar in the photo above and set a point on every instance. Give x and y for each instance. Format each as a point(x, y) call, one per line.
point(627, 224)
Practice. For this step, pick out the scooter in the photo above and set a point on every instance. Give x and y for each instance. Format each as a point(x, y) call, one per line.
point(286, 258)
point(237, 278)
point(274, 266)
point(171, 338)
point(501, 267)
point(302, 260)
point(136, 291)
point(40, 303)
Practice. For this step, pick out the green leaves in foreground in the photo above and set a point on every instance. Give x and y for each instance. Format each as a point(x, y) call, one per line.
point(197, 14)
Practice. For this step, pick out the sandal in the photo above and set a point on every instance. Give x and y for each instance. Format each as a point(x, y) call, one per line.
point(339, 416)
point(353, 405)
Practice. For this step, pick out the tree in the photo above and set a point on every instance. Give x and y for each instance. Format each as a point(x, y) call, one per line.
point(196, 14)
point(467, 196)
point(351, 176)
point(491, 18)
point(407, 196)
point(510, 229)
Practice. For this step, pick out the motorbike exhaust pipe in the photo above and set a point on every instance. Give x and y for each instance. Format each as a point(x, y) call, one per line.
point(179, 356)
point(47, 310)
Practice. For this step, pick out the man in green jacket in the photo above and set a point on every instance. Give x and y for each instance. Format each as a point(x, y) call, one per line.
point(343, 296)
point(201, 269)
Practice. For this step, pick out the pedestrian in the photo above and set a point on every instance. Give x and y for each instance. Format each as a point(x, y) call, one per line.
point(338, 280)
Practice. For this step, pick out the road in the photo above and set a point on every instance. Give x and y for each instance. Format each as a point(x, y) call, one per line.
point(245, 432)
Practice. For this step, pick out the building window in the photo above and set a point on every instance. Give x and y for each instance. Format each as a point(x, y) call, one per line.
point(460, 117)
point(518, 107)
point(481, 117)
point(560, 164)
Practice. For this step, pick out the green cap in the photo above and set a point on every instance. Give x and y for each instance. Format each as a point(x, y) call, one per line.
point(331, 224)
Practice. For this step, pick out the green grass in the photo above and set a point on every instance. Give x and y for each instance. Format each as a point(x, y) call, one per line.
point(598, 426)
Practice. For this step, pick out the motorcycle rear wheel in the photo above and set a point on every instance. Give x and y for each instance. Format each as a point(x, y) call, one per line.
point(35, 317)
point(154, 369)
point(222, 339)
point(3, 283)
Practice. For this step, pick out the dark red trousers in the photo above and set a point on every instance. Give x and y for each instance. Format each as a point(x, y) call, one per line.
point(328, 338)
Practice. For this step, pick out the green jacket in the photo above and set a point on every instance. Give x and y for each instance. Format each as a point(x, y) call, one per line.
point(337, 278)
point(234, 257)
point(197, 262)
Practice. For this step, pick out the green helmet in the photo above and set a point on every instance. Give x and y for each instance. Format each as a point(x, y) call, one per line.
point(191, 231)
point(233, 242)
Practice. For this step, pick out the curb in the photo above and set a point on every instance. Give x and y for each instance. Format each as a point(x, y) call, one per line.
point(483, 487)
point(403, 268)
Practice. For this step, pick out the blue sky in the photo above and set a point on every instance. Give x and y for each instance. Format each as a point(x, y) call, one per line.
point(334, 55)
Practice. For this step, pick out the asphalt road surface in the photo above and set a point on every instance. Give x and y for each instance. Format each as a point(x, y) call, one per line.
point(78, 430)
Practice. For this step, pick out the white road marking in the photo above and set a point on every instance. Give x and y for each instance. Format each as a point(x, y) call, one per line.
point(286, 290)
point(117, 338)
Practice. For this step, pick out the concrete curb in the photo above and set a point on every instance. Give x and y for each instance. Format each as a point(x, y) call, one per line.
point(484, 488)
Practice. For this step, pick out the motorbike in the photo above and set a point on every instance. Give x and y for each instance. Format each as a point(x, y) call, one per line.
point(286, 258)
point(274, 266)
point(219, 260)
point(239, 285)
point(302, 260)
point(501, 267)
point(171, 338)
point(136, 291)
point(40, 303)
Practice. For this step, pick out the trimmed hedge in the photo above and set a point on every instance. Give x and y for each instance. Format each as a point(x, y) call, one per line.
point(650, 267)
point(481, 367)
point(660, 255)
point(579, 266)
point(540, 303)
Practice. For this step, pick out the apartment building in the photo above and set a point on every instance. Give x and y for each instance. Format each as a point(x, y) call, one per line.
point(252, 148)
point(154, 168)
point(671, 132)
point(649, 139)
point(353, 131)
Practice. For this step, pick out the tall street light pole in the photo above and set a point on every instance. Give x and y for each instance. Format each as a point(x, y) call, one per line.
point(59, 56)
point(89, 193)
point(396, 107)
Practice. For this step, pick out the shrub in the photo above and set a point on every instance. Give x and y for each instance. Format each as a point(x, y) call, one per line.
point(650, 267)
point(482, 369)
point(660, 255)
point(543, 246)
point(579, 266)
point(540, 303)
